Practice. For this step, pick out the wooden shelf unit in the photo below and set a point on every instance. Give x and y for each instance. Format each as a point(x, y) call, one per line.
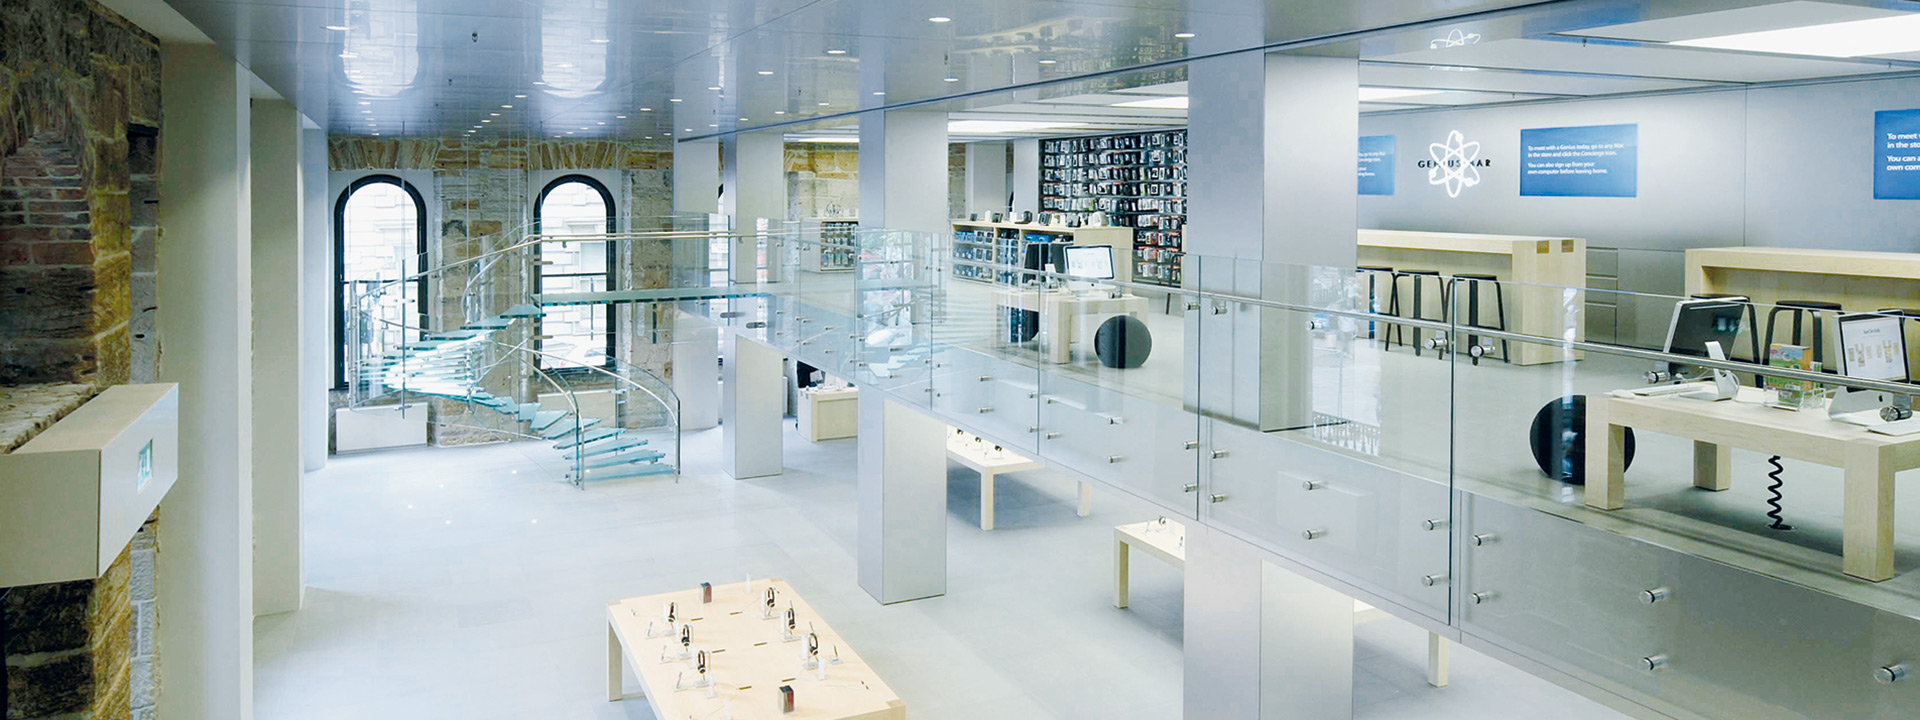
point(1002, 244)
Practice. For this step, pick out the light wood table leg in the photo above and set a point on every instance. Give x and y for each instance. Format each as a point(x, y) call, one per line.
point(1059, 334)
point(1120, 579)
point(1605, 449)
point(1712, 466)
point(986, 500)
point(1868, 516)
point(1436, 660)
point(1086, 499)
point(615, 691)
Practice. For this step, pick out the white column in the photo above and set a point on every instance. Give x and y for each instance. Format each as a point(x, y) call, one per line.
point(277, 285)
point(752, 168)
point(903, 170)
point(1262, 207)
point(1026, 176)
point(316, 315)
point(1262, 641)
point(753, 399)
point(696, 374)
point(205, 575)
point(987, 178)
point(696, 177)
point(903, 501)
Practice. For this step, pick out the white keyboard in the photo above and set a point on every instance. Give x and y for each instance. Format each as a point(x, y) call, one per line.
point(1898, 428)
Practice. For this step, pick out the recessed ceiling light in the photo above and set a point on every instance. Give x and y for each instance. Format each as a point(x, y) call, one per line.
point(376, 134)
point(828, 139)
point(938, 19)
point(779, 112)
point(509, 107)
point(712, 125)
point(619, 117)
point(879, 92)
point(686, 130)
point(569, 132)
point(972, 127)
point(1183, 35)
point(766, 72)
point(823, 104)
point(646, 109)
point(1048, 61)
point(1858, 38)
point(583, 127)
point(486, 121)
point(564, 65)
point(673, 99)
point(1163, 103)
point(713, 87)
point(1368, 94)
point(337, 28)
point(836, 52)
point(649, 137)
point(539, 82)
point(476, 127)
point(494, 114)
point(519, 96)
point(951, 79)
point(349, 55)
point(600, 123)
point(366, 112)
point(365, 102)
point(743, 119)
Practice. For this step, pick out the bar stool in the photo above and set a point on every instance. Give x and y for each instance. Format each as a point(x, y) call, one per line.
point(1800, 310)
point(1419, 306)
point(1471, 282)
point(1753, 318)
point(1373, 273)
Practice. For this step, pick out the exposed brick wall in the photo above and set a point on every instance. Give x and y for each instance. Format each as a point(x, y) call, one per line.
point(823, 180)
point(73, 77)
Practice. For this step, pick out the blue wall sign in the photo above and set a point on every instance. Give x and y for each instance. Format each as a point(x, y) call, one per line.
point(1896, 155)
point(1376, 165)
point(1590, 161)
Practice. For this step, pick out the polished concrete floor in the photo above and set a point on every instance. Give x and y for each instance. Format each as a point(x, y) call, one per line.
point(471, 583)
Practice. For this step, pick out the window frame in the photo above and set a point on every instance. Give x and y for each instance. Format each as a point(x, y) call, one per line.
point(340, 262)
point(611, 273)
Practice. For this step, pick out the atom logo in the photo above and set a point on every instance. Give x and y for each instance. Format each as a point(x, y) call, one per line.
point(1454, 39)
point(1455, 164)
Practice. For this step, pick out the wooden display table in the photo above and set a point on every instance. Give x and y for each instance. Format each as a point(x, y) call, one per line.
point(1167, 541)
point(1533, 269)
point(829, 414)
point(1860, 281)
point(990, 469)
point(1868, 459)
point(1061, 312)
point(746, 659)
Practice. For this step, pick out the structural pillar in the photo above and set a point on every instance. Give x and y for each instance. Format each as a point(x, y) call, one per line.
point(1026, 176)
point(1263, 216)
point(902, 486)
point(205, 572)
point(752, 169)
point(987, 178)
point(903, 178)
point(277, 362)
point(696, 200)
point(316, 315)
point(753, 399)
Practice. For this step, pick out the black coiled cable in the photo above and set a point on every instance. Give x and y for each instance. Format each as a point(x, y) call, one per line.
point(1774, 500)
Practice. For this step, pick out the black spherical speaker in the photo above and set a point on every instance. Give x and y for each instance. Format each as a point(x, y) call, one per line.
point(1559, 440)
point(1123, 342)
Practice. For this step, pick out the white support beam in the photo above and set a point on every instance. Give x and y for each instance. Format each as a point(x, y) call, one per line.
point(277, 362)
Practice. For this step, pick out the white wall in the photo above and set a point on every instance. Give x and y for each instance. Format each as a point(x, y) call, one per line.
point(316, 323)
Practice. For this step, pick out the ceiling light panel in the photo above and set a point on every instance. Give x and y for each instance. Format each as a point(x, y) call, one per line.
point(1857, 38)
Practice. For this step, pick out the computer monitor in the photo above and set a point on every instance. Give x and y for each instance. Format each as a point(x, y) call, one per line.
point(1043, 257)
point(1090, 262)
point(1874, 347)
point(1698, 322)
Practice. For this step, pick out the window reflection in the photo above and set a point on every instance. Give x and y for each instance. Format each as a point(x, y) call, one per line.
point(381, 52)
point(573, 47)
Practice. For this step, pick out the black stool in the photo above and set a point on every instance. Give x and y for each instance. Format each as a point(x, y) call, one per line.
point(1373, 273)
point(1753, 318)
point(1470, 282)
point(1419, 307)
point(1800, 310)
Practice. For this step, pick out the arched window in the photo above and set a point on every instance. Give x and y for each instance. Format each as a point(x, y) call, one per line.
point(576, 335)
point(379, 236)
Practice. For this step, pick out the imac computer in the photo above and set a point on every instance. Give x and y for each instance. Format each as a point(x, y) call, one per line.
point(1874, 347)
point(1698, 322)
point(1090, 262)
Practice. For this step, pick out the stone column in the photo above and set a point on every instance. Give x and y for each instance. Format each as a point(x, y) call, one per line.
point(987, 178)
point(903, 501)
point(278, 287)
point(206, 568)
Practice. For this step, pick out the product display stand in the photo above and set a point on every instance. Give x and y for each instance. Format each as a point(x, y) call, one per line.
point(1138, 180)
point(1166, 539)
point(991, 464)
point(1003, 245)
point(751, 657)
point(828, 244)
point(1869, 460)
point(828, 413)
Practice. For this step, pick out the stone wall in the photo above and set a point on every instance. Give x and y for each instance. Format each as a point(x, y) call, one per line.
point(823, 180)
point(74, 77)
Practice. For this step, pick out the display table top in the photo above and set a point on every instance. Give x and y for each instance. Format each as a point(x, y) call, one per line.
point(746, 658)
point(1462, 242)
point(1861, 263)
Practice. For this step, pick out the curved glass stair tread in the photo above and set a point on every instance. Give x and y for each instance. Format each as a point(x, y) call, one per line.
point(546, 418)
point(621, 471)
point(586, 437)
point(611, 445)
point(641, 456)
point(561, 430)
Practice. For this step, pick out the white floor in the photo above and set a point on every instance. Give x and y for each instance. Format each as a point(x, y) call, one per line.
point(471, 583)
